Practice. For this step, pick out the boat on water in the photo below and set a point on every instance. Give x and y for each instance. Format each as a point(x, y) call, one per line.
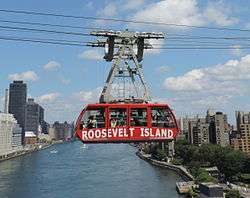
point(84, 146)
point(53, 151)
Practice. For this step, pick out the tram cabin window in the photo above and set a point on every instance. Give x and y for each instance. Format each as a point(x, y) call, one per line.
point(93, 118)
point(138, 117)
point(117, 117)
point(162, 117)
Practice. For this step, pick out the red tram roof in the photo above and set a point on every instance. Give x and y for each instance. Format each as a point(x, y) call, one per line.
point(127, 105)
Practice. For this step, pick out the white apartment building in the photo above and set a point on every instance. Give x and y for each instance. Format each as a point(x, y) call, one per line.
point(8, 125)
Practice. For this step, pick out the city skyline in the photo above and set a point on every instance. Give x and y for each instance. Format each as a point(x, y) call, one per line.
point(63, 78)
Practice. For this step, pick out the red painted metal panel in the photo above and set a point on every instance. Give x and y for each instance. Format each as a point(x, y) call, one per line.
point(125, 133)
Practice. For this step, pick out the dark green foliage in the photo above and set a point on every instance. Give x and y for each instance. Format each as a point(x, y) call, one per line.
point(202, 175)
point(159, 154)
point(245, 178)
point(177, 161)
point(192, 193)
point(229, 162)
point(232, 194)
point(247, 165)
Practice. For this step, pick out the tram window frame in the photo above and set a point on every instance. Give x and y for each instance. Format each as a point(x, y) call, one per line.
point(119, 122)
point(97, 122)
point(161, 124)
point(145, 119)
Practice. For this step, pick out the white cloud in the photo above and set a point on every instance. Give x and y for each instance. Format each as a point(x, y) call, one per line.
point(156, 44)
point(109, 10)
point(64, 80)
point(89, 5)
point(88, 96)
point(237, 51)
point(231, 70)
point(247, 25)
point(25, 76)
point(168, 11)
point(219, 78)
point(132, 4)
point(186, 12)
point(91, 55)
point(211, 101)
point(47, 98)
point(68, 108)
point(52, 66)
point(218, 12)
point(188, 82)
point(162, 69)
point(195, 102)
point(60, 108)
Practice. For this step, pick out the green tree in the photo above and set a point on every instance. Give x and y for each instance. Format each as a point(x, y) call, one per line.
point(203, 176)
point(233, 194)
point(245, 178)
point(229, 162)
point(191, 193)
point(159, 154)
point(247, 165)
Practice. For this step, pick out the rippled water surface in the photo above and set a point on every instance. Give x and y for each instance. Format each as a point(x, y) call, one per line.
point(77, 170)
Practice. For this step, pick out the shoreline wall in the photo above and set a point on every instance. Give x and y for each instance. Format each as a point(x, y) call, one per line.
point(178, 169)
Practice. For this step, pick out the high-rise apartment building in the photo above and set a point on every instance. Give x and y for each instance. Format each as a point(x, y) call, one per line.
point(201, 132)
point(17, 136)
point(183, 126)
point(242, 118)
point(7, 125)
point(219, 129)
point(34, 116)
point(214, 129)
point(242, 140)
point(6, 101)
point(17, 103)
point(192, 122)
point(61, 131)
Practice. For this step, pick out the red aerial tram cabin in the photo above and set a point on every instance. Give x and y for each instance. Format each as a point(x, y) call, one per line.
point(121, 122)
point(114, 120)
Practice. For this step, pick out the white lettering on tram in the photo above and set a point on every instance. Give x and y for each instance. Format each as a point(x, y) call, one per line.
point(170, 133)
point(148, 132)
point(126, 133)
point(97, 133)
point(91, 134)
point(158, 133)
point(131, 131)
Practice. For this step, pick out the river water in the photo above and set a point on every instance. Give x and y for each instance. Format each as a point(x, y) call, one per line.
point(74, 170)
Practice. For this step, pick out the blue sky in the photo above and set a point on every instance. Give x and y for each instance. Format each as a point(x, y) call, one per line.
point(63, 78)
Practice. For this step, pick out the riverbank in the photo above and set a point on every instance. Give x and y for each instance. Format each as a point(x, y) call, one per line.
point(182, 171)
point(183, 187)
point(26, 150)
